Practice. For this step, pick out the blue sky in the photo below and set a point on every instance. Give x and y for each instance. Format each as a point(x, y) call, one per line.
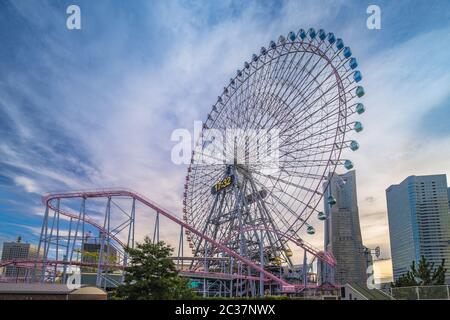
point(95, 107)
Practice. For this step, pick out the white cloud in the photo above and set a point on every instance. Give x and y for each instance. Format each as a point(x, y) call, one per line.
point(28, 184)
point(125, 132)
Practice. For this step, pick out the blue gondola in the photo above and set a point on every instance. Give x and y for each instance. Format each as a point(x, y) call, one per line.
point(360, 108)
point(354, 145)
point(357, 76)
point(347, 52)
point(358, 126)
point(331, 38)
point(348, 164)
point(321, 216)
point(331, 200)
point(291, 36)
point(302, 34)
point(322, 34)
point(360, 91)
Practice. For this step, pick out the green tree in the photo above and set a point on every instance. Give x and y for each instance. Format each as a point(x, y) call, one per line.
point(423, 275)
point(152, 274)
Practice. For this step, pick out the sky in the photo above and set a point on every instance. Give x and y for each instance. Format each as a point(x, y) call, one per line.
point(95, 108)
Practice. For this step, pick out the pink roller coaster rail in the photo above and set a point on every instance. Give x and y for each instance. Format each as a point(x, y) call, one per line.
point(26, 263)
point(47, 200)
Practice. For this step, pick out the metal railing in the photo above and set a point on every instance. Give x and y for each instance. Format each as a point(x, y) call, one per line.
point(441, 292)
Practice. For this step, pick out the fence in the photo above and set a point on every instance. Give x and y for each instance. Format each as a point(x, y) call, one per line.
point(421, 293)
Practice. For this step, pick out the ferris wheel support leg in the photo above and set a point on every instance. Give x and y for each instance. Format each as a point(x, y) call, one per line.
point(261, 261)
point(242, 248)
point(239, 195)
point(231, 272)
point(197, 248)
point(269, 217)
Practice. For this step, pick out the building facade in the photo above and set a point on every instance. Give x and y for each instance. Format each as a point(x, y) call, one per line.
point(91, 253)
point(343, 231)
point(419, 222)
point(17, 251)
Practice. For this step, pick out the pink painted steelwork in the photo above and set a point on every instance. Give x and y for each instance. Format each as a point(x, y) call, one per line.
point(26, 263)
point(326, 257)
point(46, 199)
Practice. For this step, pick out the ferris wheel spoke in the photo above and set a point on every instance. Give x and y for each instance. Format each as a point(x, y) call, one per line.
point(279, 179)
point(296, 97)
point(267, 214)
point(258, 98)
point(333, 98)
point(309, 73)
point(330, 129)
point(306, 98)
point(273, 126)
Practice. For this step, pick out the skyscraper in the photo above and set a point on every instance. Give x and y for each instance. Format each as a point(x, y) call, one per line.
point(343, 238)
point(448, 195)
point(419, 222)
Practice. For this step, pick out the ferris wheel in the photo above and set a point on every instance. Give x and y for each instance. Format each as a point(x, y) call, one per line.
point(294, 103)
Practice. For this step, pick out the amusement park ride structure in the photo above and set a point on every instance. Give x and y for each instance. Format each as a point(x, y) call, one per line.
point(242, 224)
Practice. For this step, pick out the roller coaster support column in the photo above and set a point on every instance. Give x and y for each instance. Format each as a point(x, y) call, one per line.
point(180, 248)
point(81, 216)
point(156, 230)
point(48, 239)
point(66, 255)
point(44, 224)
point(130, 239)
point(106, 224)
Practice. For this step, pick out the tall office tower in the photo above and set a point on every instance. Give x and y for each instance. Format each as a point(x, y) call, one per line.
point(343, 232)
point(17, 251)
point(448, 195)
point(419, 222)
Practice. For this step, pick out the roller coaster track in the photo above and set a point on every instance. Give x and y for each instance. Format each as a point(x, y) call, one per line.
point(47, 201)
point(27, 263)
